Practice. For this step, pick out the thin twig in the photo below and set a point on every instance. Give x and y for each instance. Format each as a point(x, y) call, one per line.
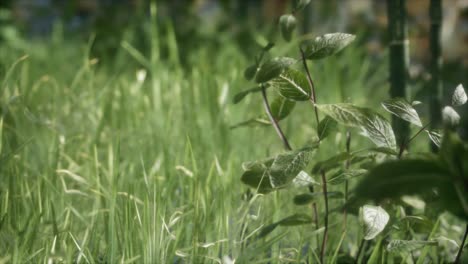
point(361, 246)
point(315, 214)
point(404, 145)
point(347, 164)
point(273, 120)
point(462, 245)
point(325, 233)
point(313, 97)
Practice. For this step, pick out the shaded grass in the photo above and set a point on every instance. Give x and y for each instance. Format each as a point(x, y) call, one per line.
point(97, 166)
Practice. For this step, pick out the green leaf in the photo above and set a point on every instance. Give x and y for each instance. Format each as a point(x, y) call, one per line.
point(241, 95)
point(407, 246)
point(383, 150)
point(326, 126)
point(293, 85)
point(373, 125)
point(404, 110)
point(343, 175)
point(295, 220)
point(331, 162)
point(274, 173)
point(401, 177)
point(374, 219)
point(459, 96)
point(450, 117)
point(267, 230)
point(281, 107)
point(326, 45)
point(300, 4)
point(307, 198)
point(303, 179)
point(453, 152)
point(287, 166)
point(287, 26)
point(273, 68)
point(252, 122)
point(435, 137)
point(376, 255)
point(256, 175)
point(250, 72)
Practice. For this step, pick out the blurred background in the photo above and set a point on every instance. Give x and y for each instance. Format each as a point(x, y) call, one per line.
point(198, 22)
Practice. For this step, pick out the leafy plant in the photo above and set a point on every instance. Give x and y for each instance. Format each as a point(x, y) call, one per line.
point(384, 172)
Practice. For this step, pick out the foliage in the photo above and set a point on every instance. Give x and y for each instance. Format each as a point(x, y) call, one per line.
point(384, 174)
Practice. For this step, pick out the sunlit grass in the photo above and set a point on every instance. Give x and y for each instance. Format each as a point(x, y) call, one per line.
point(134, 161)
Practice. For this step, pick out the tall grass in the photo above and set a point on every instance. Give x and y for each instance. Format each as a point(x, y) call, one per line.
point(99, 164)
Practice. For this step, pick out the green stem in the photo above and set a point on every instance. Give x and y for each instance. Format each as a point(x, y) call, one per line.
point(462, 245)
point(347, 164)
point(325, 233)
point(313, 96)
point(361, 246)
point(405, 145)
point(435, 85)
point(273, 120)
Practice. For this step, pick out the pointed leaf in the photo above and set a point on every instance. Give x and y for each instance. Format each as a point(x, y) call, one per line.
point(292, 84)
point(303, 179)
point(241, 95)
point(326, 45)
point(250, 72)
point(274, 173)
point(287, 166)
point(296, 219)
point(281, 107)
point(341, 176)
point(393, 179)
point(404, 110)
point(273, 68)
point(435, 137)
point(459, 96)
point(267, 230)
point(256, 175)
point(326, 126)
point(374, 219)
point(383, 150)
point(300, 4)
point(406, 246)
point(375, 257)
point(287, 26)
point(373, 125)
point(450, 117)
point(251, 122)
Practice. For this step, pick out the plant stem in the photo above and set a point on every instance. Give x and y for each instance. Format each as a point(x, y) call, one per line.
point(435, 85)
point(313, 97)
point(398, 61)
point(325, 233)
point(404, 145)
point(462, 245)
point(315, 214)
point(347, 164)
point(361, 246)
point(273, 120)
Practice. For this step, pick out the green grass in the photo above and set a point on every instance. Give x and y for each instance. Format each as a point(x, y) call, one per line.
point(96, 166)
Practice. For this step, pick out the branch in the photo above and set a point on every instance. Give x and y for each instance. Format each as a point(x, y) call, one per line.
point(313, 97)
point(325, 233)
point(273, 120)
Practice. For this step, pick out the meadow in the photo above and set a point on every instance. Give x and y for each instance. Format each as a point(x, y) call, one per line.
point(134, 159)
